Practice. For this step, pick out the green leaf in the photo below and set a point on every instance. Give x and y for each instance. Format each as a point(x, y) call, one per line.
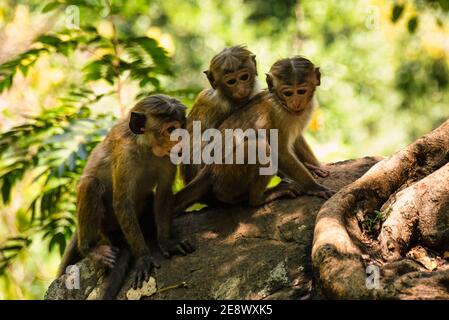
point(6, 189)
point(58, 239)
point(11, 248)
point(397, 12)
point(412, 24)
point(444, 4)
point(24, 69)
point(51, 6)
point(50, 40)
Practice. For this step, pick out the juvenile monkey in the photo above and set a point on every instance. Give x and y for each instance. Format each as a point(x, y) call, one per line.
point(287, 107)
point(232, 75)
point(115, 191)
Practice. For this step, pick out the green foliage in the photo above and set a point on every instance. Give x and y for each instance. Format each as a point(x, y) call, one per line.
point(398, 9)
point(372, 223)
point(10, 249)
point(50, 150)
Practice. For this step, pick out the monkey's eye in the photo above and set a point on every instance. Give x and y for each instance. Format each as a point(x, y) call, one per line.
point(302, 91)
point(231, 82)
point(170, 129)
point(244, 77)
point(287, 93)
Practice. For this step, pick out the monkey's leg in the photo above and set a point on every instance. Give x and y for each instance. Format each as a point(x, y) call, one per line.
point(71, 255)
point(257, 191)
point(90, 212)
point(199, 187)
point(114, 279)
point(306, 155)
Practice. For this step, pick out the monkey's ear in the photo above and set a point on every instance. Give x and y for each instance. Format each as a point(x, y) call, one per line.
point(318, 76)
point(137, 122)
point(253, 57)
point(211, 79)
point(269, 82)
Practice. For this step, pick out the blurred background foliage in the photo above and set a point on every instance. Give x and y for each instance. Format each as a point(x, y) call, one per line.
point(70, 68)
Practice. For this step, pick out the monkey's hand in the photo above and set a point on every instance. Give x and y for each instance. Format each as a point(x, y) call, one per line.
point(106, 255)
point(317, 171)
point(320, 191)
point(171, 246)
point(144, 266)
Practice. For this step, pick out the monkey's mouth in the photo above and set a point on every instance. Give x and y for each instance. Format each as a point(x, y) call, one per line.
point(242, 97)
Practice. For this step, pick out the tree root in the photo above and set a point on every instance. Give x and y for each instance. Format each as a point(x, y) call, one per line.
point(420, 211)
point(417, 203)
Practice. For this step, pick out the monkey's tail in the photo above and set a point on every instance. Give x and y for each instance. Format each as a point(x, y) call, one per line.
point(114, 279)
point(71, 255)
point(194, 191)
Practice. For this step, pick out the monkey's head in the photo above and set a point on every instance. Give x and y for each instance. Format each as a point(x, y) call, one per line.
point(153, 119)
point(293, 82)
point(233, 71)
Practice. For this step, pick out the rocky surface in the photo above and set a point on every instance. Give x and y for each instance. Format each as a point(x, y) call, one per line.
point(242, 253)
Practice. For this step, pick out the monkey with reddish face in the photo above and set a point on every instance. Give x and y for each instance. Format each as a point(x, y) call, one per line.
point(287, 106)
point(127, 177)
point(232, 75)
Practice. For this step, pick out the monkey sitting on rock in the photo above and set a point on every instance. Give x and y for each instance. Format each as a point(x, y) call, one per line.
point(115, 192)
point(286, 107)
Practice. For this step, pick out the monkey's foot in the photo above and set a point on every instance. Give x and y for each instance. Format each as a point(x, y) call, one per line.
point(316, 171)
point(144, 266)
point(281, 191)
point(106, 255)
point(320, 191)
point(170, 247)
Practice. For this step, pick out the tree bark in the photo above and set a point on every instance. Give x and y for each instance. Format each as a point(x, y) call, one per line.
point(414, 202)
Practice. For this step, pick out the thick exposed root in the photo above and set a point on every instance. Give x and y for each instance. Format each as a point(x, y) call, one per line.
point(420, 211)
point(342, 252)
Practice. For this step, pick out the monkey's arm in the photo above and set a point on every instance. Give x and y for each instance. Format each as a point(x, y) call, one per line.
point(124, 186)
point(124, 191)
point(304, 152)
point(291, 166)
point(163, 209)
point(163, 205)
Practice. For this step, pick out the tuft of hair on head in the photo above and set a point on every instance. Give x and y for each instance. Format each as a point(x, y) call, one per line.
point(295, 69)
point(162, 105)
point(230, 58)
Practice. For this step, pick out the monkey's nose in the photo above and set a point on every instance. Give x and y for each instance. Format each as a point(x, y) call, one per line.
point(243, 93)
point(297, 105)
point(297, 108)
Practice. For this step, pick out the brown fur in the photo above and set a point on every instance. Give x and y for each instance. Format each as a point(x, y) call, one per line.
point(118, 180)
point(267, 110)
point(213, 106)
